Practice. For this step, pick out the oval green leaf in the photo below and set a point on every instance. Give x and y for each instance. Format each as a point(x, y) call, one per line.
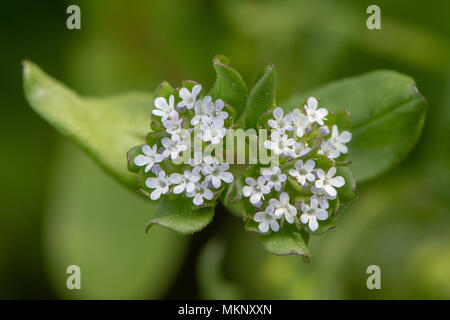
point(262, 96)
point(104, 128)
point(229, 85)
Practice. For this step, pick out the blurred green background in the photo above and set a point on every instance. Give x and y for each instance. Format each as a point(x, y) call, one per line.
point(58, 208)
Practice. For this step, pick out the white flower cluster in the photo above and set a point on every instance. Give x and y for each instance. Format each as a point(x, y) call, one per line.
point(202, 175)
point(293, 137)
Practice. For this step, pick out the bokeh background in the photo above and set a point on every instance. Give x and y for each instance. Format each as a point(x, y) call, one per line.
point(57, 208)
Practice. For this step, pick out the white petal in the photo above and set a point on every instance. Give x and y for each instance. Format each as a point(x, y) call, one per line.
point(312, 102)
point(259, 216)
point(279, 212)
point(337, 181)
point(179, 189)
point(255, 198)
point(166, 142)
point(304, 218)
point(198, 200)
point(274, 225)
point(330, 190)
point(322, 112)
point(272, 123)
point(345, 137)
point(247, 191)
point(151, 182)
point(278, 113)
point(274, 203)
point(321, 214)
point(270, 209)
point(175, 178)
point(284, 197)
point(184, 93)
point(293, 172)
point(147, 150)
point(334, 131)
point(313, 225)
point(227, 177)
point(309, 165)
point(196, 89)
point(264, 226)
point(148, 167)
point(216, 182)
point(320, 173)
point(141, 160)
point(324, 203)
point(268, 144)
point(208, 194)
point(190, 187)
point(313, 203)
point(157, 112)
point(289, 218)
point(341, 148)
point(155, 194)
point(160, 103)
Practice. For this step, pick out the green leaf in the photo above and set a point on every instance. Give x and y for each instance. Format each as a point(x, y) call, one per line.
point(179, 216)
point(262, 96)
point(93, 223)
point(387, 114)
point(229, 85)
point(288, 240)
point(105, 128)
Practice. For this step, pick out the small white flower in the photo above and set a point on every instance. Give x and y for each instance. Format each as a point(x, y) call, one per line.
point(281, 123)
point(311, 213)
point(303, 172)
point(279, 144)
point(161, 185)
point(314, 114)
point(172, 124)
point(215, 110)
point(149, 158)
point(267, 219)
point(216, 173)
point(322, 197)
point(299, 122)
point(185, 181)
point(164, 109)
point(274, 177)
point(328, 150)
point(299, 149)
point(189, 98)
point(200, 192)
point(284, 208)
point(213, 131)
point(327, 181)
point(338, 140)
point(256, 189)
point(201, 110)
point(173, 146)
